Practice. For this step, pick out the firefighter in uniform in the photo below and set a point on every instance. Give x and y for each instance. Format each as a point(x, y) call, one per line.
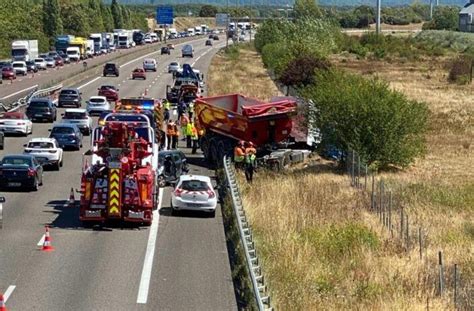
point(250, 161)
point(239, 154)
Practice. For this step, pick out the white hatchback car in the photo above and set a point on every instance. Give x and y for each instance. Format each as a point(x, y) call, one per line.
point(97, 105)
point(194, 193)
point(16, 122)
point(40, 63)
point(46, 151)
point(80, 118)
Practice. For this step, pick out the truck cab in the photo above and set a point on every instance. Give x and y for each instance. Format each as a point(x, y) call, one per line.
point(74, 53)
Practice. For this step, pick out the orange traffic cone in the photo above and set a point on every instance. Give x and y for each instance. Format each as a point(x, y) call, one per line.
point(47, 247)
point(72, 200)
point(2, 303)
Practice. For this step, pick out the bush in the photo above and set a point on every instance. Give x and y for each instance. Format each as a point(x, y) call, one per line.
point(461, 70)
point(300, 71)
point(382, 125)
point(444, 18)
point(458, 41)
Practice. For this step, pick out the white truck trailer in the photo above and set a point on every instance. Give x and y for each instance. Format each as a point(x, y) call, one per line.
point(24, 50)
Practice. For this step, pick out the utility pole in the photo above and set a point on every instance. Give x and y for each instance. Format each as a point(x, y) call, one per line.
point(431, 9)
point(377, 26)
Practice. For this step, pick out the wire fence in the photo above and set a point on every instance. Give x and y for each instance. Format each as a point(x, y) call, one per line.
point(411, 237)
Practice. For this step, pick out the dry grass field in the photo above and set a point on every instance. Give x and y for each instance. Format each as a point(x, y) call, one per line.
point(321, 249)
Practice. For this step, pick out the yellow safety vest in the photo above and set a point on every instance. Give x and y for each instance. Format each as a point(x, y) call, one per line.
point(189, 129)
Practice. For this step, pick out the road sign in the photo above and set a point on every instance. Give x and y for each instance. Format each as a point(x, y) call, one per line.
point(222, 20)
point(164, 15)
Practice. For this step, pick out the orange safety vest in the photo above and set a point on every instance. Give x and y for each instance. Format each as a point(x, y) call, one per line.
point(170, 131)
point(176, 132)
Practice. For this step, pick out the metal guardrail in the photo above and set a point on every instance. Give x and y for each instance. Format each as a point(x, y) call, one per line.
point(255, 271)
point(22, 102)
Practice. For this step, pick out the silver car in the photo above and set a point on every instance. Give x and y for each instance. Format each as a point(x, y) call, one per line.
point(40, 63)
point(97, 105)
point(173, 67)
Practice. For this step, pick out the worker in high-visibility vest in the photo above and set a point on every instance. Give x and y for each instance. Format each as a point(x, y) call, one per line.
point(183, 123)
point(175, 138)
point(194, 138)
point(189, 134)
point(239, 154)
point(166, 104)
point(170, 133)
point(191, 110)
point(250, 161)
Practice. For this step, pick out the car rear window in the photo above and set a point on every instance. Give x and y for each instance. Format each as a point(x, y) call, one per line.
point(38, 104)
point(40, 145)
point(107, 87)
point(68, 92)
point(39, 60)
point(96, 100)
point(75, 115)
point(194, 185)
point(16, 161)
point(13, 116)
point(18, 65)
point(62, 130)
point(109, 66)
point(173, 64)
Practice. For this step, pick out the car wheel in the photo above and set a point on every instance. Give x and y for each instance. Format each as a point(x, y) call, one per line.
point(57, 166)
point(212, 214)
point(61, 163)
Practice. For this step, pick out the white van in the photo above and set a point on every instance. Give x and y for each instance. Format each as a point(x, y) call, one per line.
point(191, 32)
point(74, 53)
point(149, 64)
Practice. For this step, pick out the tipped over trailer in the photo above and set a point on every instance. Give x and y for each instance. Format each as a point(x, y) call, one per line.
point(228, 119)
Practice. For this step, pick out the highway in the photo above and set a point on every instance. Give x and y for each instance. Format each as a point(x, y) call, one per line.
point(179, 263)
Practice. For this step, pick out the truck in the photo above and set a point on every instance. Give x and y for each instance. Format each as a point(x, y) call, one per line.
point(125, 40)
point(111, 40)
point(138, 37)
point(190, 32)
point(24, 50)
point(74, 53)
point(98, 42)
point(80, 43)
point(62, 42)
point(121, 184)
point(227, 119)
point(185, 88)
point(204, 29)
point(90, 51)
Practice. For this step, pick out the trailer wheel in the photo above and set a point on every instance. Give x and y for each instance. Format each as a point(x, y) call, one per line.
point(213, 152)
point(205, 146)
point(221, 152)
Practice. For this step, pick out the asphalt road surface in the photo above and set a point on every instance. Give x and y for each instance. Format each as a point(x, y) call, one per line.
point(12, 90)
point(179, 263)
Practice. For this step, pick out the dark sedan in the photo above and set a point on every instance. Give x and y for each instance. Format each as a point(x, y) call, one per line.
point(176, 165)
point(41, 109)
point(67, 136)
point(70, 97)
point(31, 66)
point(165, 50)
point(20, 171)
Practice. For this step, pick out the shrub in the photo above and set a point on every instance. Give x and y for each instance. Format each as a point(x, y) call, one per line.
point(461, 70)
point(444, 18)
point(276, 56)
point(382, 125)
point(300, 70)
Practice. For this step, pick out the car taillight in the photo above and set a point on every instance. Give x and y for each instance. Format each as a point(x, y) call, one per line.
point(211, 194)
point(178, 192)
point(20, 123)
point(31, 172)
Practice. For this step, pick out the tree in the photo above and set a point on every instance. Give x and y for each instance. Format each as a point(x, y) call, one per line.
point(208, 11)
point(107, 17)
point(445, 17)
point(76, 22)
point(306, 9)
point(95, 17)
point(52, 22)
point(116, 11)
point(300, 71)
point(352, 112)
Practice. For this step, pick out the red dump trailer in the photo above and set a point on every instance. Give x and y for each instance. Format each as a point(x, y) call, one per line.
point(227, 119)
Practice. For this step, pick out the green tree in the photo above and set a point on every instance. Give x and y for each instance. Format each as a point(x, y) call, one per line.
point(444, 17)
point(107, 17)
point(208, 11)
point(127, 22)
point(76, 22)
point(306, 9)
point(382, 125)
point(95, 17)
point(52, 22)
point(116, 11)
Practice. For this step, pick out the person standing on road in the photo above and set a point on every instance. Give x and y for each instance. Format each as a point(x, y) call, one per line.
point(239, 154)
point(189, 134)
point(175, 136)
point(250, 161)
point(170, 133)
point(194, 138)
point(183, 123)
point(191, 110)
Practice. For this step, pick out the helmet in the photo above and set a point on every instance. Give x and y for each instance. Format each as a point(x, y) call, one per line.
point(241, 143)
point(251, 144)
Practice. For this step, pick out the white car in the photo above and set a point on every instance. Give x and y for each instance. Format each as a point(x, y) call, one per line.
point(173, 67)
point(148, 40)
point(194, 193)
point(16, 122)
point(149, 64)
point(20, 68)
point(40, 63)
point(80, 118)
point(97, 105)
point(50, 62)
point(46, 151)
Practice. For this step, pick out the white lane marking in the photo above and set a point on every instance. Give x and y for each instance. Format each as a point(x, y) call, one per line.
point(91, 81)
point(41, 241)
point(16, 93)
point(150, 253)
point(9, 291)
